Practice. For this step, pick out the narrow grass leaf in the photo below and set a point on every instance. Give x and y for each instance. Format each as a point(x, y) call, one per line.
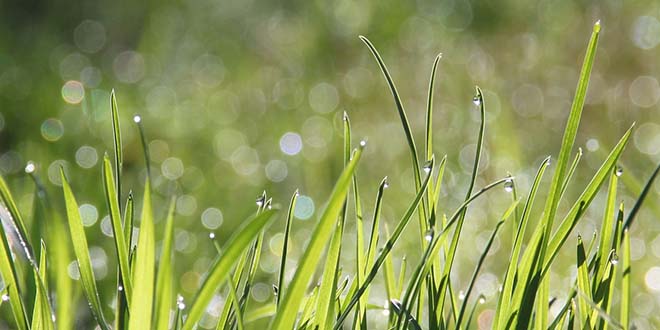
point(164, 278)
point(285, 246)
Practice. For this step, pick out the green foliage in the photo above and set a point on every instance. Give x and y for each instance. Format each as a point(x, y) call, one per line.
point(423, 297)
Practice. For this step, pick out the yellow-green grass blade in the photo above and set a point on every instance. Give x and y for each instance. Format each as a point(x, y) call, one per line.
point(141, 309)
point(16, 220)
point(261, 312)
point(9, 275)
point(571, 171)
point(386, 249)
point(128, 220)
point(429, 109)
point(287, 311)
point(625, 302)
point(584, 288)
point(587, 196)
point(164, 278)
point(324, 304)
point(599, 313)
point(606, 233)
point(116, 135)
point(42, 315)
point(509, 277)
point(117, 230)
point(482, 258)
point(232, 250)
point(642, 197)
point(237, 307)
point(285, 246)
point(81, 250)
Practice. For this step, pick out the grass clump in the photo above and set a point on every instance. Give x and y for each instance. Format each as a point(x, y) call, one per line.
point(41, 296)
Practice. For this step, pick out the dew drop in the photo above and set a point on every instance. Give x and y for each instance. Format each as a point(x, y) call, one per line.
point(396, 303)
point(345, 116)
point(179, 298)
point(363, 143)
point(276, 290)
point(181, 306)
point(476, 100)
point(386, 184)
point(260, 200)
point(120, 288)
point(427, 167)
point(30, 167)
point(212, 235)
point(508, 184)
point(482, 299)
point(5, 297)
point(615, 259)
point(461, 295)
point(619, 171)
point(429, 235)
point(137, 119)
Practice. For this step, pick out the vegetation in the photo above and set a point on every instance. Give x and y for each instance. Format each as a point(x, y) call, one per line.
point(35, 251)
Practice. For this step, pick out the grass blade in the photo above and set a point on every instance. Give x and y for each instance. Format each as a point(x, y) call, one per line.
point(81, 250)
point(117, 230)
point(218, 274)
point(642, 197)
point(287, 311)
point(625, 302)
point(116, 135)
point(9, 276)
point(145, 262)
point(285, 246)
point(584, 287)
point(164, 278)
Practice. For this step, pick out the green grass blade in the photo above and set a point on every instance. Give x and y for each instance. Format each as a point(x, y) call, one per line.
point(218, 274)
point(117, 230)
point(164, 278)
point(429, 109)
point(16, 220)
point(288, 309)
point(145, 262)
point(42, 316)
point(116, 135)
point(81, 250)
point(324, 303)
point(642, 197)
point(237, 307)
point(285, 246)
point(625, 302)
point(10, 278)
point(605, 241)
point(584, 288)
point(571, 171)
point(128, 220)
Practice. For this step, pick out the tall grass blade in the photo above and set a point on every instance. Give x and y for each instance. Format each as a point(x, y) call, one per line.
point(584, 288)
point(285, 246)
point(287, 311)
point(625, 302)
point(116, 135)
point(221, 268)
point(81, 250)
point(164, 278)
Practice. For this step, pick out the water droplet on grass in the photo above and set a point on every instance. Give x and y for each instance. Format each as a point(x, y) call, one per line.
point(615, 259)
point(427, 167)
point(260, 200)
point(275, 290)
point(120, 288)
point(363, 143)
point(618, 171)
point(508, 184)
point(137, 119)
point(461, 295)
point(476, 100)
point(5, 297)
point(482, 299)
point(429, 235)
point(212, 235)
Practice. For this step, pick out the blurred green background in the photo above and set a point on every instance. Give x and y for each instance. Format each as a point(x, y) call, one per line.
point(242, 96)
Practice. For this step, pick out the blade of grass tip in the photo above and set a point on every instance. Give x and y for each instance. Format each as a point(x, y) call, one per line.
point(507, 287)
point(482, 258)
point(116, 135)
point(237, 307)
point(642, 197)
point(81, 251)
point(145, 262)
point(386, 249)
point(625, 285)
point(217, 275)
point(285, 245)
point(117, 230)
point(429, 109)
point(288, 308)
point(406, 126)
point(571, 171)
point(164, 278)
point(478, 101)
point(583, 285)
point(128, 220)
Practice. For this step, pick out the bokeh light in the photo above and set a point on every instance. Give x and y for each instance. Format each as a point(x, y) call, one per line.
point(52, 129)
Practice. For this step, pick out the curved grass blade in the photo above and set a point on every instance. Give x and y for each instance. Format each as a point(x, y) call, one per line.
point(429, 109)
point(285, 245)
point(218, 274)
point(164, 278)
point(642, 197)
point(117, 230)
point(145, 261)
point(81, 250)
point(287, 311)
point(403, 313)
point(9, 276)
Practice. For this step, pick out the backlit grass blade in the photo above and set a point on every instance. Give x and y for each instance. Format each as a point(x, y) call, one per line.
point(10, 278)
point(42, 316)
point(237, 307)
point(325, 302)
point(164, 278)
point(285, 245)
point(507, 287)
point(128, 220)
point(81, 250)
point(606, 233)
point(116, 135)
point(625, 302)
point(386, 249)
point(600, 313)
point(571, 171)
point(451, 253)
point(584, 288)
point(287, 311)
point(429, 109)
point(117, 230)
point(232, 250)
point(145, 261)
point(482, 258)
point(16, 220)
